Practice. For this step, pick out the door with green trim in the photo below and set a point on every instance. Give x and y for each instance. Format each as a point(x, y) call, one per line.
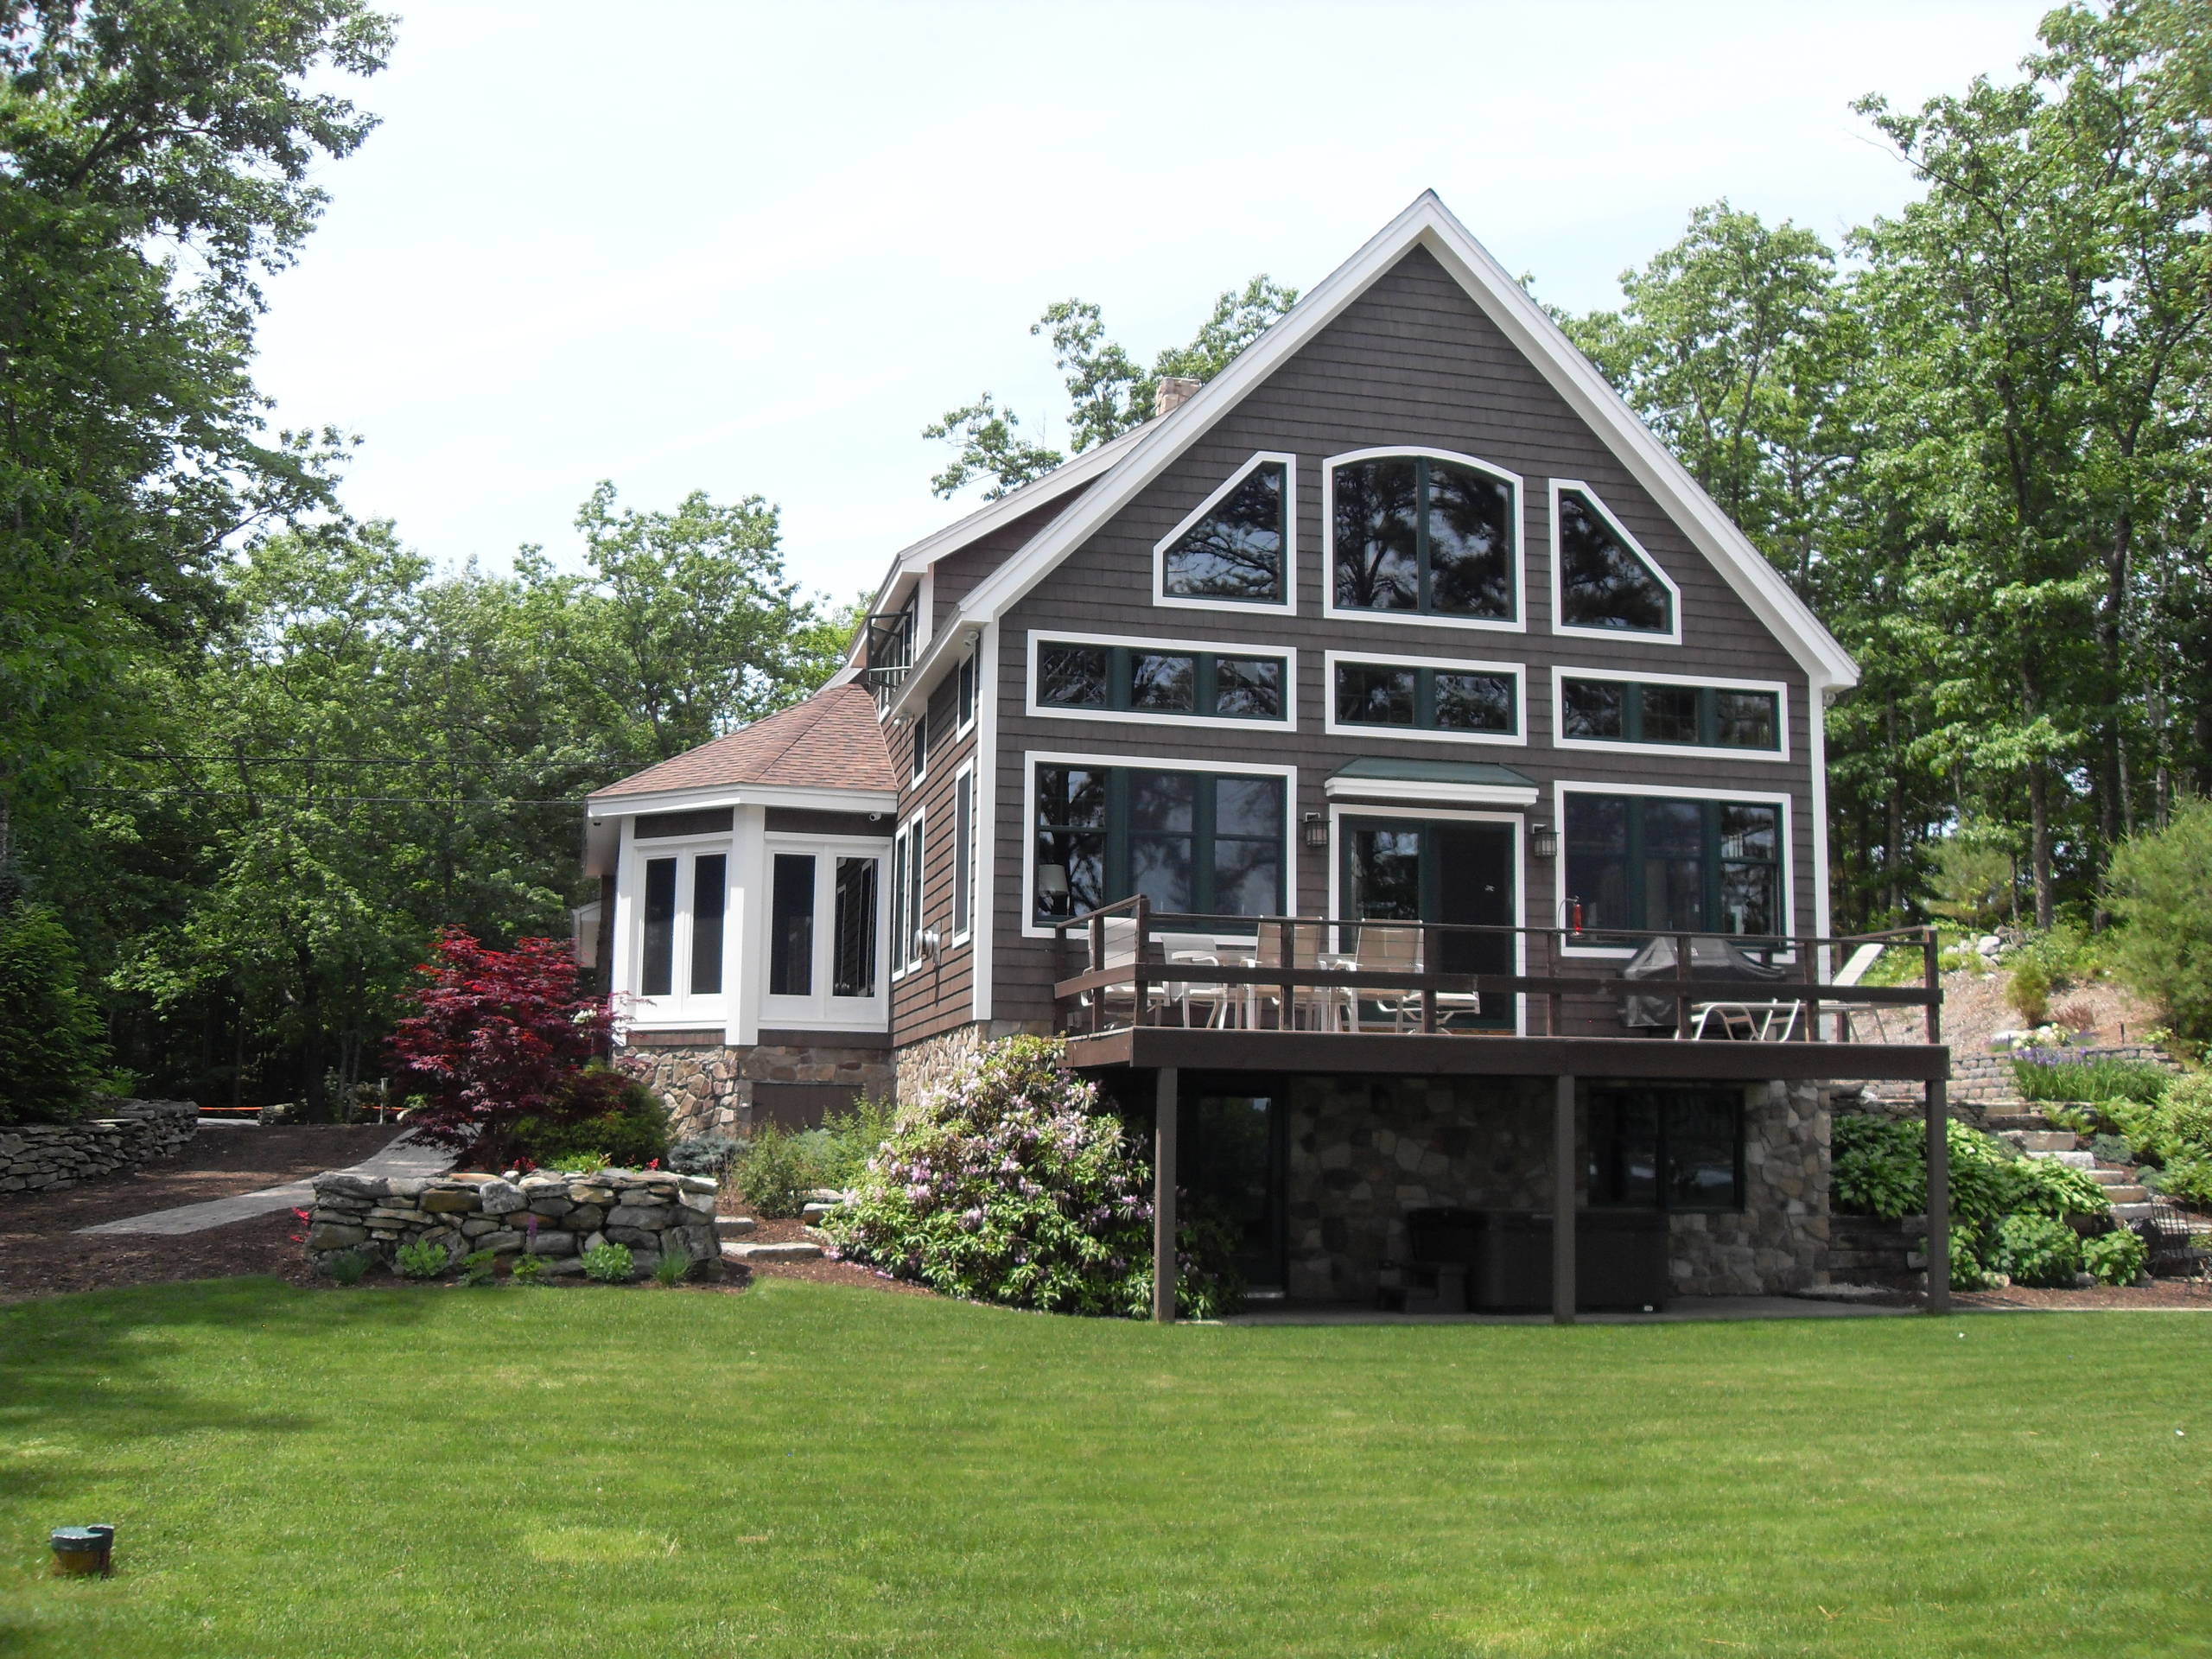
point(1439, 870)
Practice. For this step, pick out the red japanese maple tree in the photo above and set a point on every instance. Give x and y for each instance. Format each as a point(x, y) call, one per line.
point(499, 1034)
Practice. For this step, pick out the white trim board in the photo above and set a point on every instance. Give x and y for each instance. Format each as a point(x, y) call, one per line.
point(1671, 637)
point(1040, 636)
point(1517, 623)
point(1287, 605)
point(1515, 739)
point(1415, 792)
point(1561, 671)
point(1033, 758)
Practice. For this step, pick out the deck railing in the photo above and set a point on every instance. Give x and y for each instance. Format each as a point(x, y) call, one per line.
point(1138, 966)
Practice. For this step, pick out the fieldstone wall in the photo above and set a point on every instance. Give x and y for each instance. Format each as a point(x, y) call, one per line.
point(929, 1064)
point(1362, 1152)
point(708, 1088)
point(550, 1215)
point(39, 1157)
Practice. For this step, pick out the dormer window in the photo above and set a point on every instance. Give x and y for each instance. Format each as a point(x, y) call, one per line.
point(1422, 534)
point(1237, 550)
point(1605, 583)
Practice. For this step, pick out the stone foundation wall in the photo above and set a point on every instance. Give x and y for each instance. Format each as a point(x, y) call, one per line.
point(930, 1062)
point(550, 1215)
point(1360, 1155)
point(708, 1090)
point(39, 1157)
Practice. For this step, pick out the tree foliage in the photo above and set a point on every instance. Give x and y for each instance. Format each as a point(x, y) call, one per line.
point(2161, 888)
point(52, 1052)
point(1109, 393)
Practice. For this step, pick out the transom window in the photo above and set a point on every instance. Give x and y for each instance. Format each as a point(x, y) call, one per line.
point(1425, 697)
point(1698, 716)
point(1234, 551)
point(1192, 842)
point(1163, 681)
point(1645, 861)
point(1606, 581)
point(1422, 535)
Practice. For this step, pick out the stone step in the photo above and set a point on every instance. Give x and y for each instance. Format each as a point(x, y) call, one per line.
point(827, 1195)
point(2122, 1197)
point(1999, 1120)
point(734, 1226)
point(2082, 1160)
point(816, 1211)
point(2113, 1175)
point(2135, 1209)
point(2040, 1139)
point(793, 1251)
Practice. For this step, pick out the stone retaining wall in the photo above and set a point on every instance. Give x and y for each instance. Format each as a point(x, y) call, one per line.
point(39, 1157)
point(929, 1064)
point(653, 1213)
point(707, 1088)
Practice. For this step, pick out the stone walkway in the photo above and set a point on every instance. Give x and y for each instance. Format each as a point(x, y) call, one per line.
point(401, 1157)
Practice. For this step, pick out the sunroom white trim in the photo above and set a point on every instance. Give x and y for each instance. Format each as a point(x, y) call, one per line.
point(1287, 605)
point(1287, 654)
point(1517, 738)
point(1672, 636)
point(1519, 621)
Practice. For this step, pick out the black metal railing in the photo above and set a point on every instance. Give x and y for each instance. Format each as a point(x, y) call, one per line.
point(890, 652)
point(1137, 966)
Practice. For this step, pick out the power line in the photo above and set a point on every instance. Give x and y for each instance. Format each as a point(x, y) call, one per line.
point(323, 800)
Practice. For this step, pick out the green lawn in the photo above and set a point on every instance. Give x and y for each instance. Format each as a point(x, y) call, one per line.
point(811, 1470)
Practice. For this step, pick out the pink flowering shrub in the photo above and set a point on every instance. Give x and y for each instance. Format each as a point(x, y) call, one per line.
point(1013, 1184)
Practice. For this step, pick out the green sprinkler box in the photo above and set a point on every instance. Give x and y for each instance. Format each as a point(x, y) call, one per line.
point(81, 1551)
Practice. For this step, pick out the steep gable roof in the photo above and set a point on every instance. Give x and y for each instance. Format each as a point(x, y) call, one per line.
point(829, 741)
point(1425, 224)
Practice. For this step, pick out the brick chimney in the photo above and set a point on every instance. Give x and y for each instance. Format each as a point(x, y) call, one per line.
point(1174, 392)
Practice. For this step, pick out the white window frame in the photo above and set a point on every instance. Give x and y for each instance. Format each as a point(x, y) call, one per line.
point(905, 952)
point(1562, 673)
point(681, 1008)
point(1227, 766)
point(970, 669)
point(1674, 636)
point(963, 864)
point(1040, 637)
point(1519, 623)
point(1518, 739)
point(1287, 605)
point(1414, 811)
point(918, 743)
point(1562, 788)
point(820, 1009)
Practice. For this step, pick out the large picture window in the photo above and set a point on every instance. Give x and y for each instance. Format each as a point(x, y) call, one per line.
point(1697, 716)
point(1420, 535)
point(1165, 682)
point(1605, 583)
point(1191, 842)
point(1235, 551)
point(1658, 1148)
point(1646, 861)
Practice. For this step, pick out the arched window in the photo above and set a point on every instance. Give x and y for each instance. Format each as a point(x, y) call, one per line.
point(1425, 535)
point(1606, 584)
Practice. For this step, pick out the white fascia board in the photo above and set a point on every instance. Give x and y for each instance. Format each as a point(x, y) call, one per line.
point(1429, 224)
point(693, 800)
point(1408, 789)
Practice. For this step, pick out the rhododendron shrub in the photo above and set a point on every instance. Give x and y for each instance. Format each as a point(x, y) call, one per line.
point(498, 1034)
point(1013, 1184)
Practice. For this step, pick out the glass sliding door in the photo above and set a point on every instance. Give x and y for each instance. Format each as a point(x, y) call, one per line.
point(1438, 870)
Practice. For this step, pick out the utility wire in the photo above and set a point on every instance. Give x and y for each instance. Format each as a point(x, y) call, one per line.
point(325, 800)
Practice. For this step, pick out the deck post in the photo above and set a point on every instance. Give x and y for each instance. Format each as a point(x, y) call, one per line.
point(1939, 1197)
point(1563, 1287)
point(1163, 1198)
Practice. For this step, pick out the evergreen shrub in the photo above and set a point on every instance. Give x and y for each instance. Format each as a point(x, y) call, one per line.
point(2160, 886)
point(1013, 1184)
point(597, 1111)
point(53, 1048)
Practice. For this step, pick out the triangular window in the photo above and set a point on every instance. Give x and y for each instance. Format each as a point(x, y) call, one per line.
point(1604, 582)
point(1234, 549)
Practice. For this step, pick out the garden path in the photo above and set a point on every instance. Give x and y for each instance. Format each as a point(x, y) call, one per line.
point(402, 1156)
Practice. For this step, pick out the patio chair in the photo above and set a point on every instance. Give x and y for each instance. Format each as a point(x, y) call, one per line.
point(1194, 950)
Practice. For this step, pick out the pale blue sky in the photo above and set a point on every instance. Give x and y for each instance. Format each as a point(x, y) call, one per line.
point(754, 249)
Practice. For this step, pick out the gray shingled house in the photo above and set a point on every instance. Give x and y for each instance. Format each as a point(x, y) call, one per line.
point(1399, 780)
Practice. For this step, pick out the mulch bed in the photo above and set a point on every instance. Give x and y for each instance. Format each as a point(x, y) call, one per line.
point(2163, 1293)
point(41, 1254)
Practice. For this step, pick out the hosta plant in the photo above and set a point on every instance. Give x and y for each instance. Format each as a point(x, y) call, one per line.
point(1013, 1184)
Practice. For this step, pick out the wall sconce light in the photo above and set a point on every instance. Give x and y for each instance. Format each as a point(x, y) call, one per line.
point(1313, 830)
point(1543, 841)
